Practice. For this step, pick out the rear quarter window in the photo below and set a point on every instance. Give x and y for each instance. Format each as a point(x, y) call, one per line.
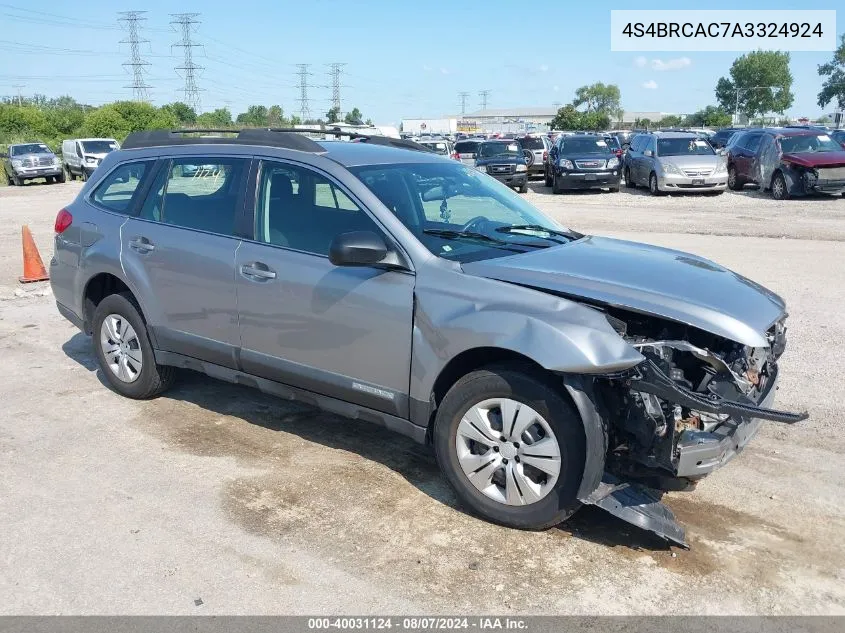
point(118, 190)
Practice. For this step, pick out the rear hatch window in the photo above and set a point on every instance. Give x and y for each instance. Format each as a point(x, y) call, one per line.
point(532, 142)
point(467, 147)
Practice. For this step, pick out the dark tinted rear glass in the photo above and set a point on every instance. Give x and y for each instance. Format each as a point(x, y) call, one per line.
point(584, 145)
point(531, 142)
point(466, 147)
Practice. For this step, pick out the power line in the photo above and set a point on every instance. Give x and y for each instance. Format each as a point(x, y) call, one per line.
point(304, 108)
point(335, 71)
point(463, 96)
point(484, 94)
point(185, 23)
point(139, 86)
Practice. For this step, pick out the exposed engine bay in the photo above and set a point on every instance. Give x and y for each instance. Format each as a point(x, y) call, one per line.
point(692, 405)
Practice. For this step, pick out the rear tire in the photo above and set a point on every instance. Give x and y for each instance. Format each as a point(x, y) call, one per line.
point(510, 491)
point(68, 173)
point(83, 174)
point(146, 378)
point(60, 177)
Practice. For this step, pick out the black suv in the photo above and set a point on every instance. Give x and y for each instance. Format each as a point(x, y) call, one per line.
point(582, 162)
point(504, 160)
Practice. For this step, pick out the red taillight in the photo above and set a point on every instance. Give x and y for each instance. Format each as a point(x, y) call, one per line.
point(63, 221)
point(545, 156)
point(456, 156)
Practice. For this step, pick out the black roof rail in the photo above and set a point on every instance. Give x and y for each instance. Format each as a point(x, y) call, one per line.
point(375, 139)
point(250, 136)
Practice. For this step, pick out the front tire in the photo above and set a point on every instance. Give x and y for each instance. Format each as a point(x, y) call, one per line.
point(734, 183)
point(628, 181)
point(547, 180)
point(124, 352)
point(653, 187)
point(779, 188)
point(555, 187)
point(512, 447)
point(523, 188)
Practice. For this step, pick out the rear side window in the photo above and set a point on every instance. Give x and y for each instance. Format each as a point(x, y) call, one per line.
point(752, 142)
point(300, 209)
point(199, 193)
point(119, 189)
point(532, 142)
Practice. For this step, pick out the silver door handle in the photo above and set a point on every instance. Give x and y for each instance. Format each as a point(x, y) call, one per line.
point(250, 270)
point(142, 245)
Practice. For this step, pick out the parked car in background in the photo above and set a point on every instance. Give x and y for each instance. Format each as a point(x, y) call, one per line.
point(535, 148)
point(503, 159)
point(443, 147)
point(81, 156)
point(838, 136)
point(615, 147)
point(675, 162)
point(546, 368)
point(623, 137)
point(467, 150)
point(787, 162)
point(582, 161)
point(26, 161)
point(720, 138)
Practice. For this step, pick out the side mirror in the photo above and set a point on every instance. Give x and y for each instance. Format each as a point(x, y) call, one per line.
point(357, 248)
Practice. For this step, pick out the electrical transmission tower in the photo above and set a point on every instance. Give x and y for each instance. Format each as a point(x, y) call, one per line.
point(131, 21)
point(304, 108)
point(19, 87)
point(184, 24)
point(483, 94)
point(463, 96)
point(335, 70)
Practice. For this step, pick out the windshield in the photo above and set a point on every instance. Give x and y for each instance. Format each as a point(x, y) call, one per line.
point(436, 198)
point(809, 143)
point(584, 145)
point(504, 148)
point(29, 148)
point(98, 147)
point(532, 142)
point(683, 147)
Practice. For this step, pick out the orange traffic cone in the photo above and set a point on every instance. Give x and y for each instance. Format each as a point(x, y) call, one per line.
point(33, 267)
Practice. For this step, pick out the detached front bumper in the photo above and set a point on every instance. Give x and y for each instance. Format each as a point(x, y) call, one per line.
point(27, 173)
point(700, 453)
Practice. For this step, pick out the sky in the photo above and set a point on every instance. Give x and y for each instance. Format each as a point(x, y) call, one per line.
point(403, 59)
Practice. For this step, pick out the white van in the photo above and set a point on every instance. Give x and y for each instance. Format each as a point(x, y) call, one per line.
point(81, 156)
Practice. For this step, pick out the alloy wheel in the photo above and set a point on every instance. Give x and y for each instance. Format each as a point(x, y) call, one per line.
point(121, 348)
point(508, 451)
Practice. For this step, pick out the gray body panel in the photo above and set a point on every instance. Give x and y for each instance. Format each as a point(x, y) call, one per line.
point(648, 279)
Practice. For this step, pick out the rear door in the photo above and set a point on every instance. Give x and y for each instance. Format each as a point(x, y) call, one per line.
point(338, 331)
point(744, 161)
point(179, 255)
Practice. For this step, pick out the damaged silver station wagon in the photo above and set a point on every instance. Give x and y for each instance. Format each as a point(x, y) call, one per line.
point(377, 280)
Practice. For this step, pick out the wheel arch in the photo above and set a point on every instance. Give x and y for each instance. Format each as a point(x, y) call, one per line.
point(97, 288)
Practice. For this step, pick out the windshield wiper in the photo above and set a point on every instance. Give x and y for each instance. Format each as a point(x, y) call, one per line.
point(454, 235)
point(569, 235)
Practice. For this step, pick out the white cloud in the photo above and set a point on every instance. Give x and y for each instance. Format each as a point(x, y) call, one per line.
point(650, 84)
point(640, 62)
point(544, 68)
point(444, 71)
point(678, 63)
point(426, 67)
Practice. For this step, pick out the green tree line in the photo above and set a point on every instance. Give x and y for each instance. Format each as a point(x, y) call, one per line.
point(53, 120)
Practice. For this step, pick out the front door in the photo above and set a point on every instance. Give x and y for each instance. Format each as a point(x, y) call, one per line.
point(179, 255)
point(341, 332)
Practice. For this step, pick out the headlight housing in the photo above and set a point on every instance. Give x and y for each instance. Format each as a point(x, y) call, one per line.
point(481, 168)
point(522, 167)
point(565, 163)
point(612, 162)
point(91, 160)
point(670, 168)
point(17, 164)
point(721, 168)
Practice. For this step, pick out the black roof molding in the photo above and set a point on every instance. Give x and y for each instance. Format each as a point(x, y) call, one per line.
point(287, 138)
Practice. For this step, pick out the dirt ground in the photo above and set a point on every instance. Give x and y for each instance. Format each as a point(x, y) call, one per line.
point(216, 493)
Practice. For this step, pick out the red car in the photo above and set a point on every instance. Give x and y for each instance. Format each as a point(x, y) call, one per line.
point(787, 162)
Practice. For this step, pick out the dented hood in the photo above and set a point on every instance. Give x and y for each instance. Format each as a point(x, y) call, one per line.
point(816, 159)
point(648, 279)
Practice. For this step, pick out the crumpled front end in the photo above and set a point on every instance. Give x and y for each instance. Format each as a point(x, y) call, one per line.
point(689, 408)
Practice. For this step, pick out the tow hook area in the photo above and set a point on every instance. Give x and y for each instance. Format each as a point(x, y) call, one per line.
point(639, 506)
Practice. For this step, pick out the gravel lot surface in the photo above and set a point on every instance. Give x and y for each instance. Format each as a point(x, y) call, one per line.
point(256, 505)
